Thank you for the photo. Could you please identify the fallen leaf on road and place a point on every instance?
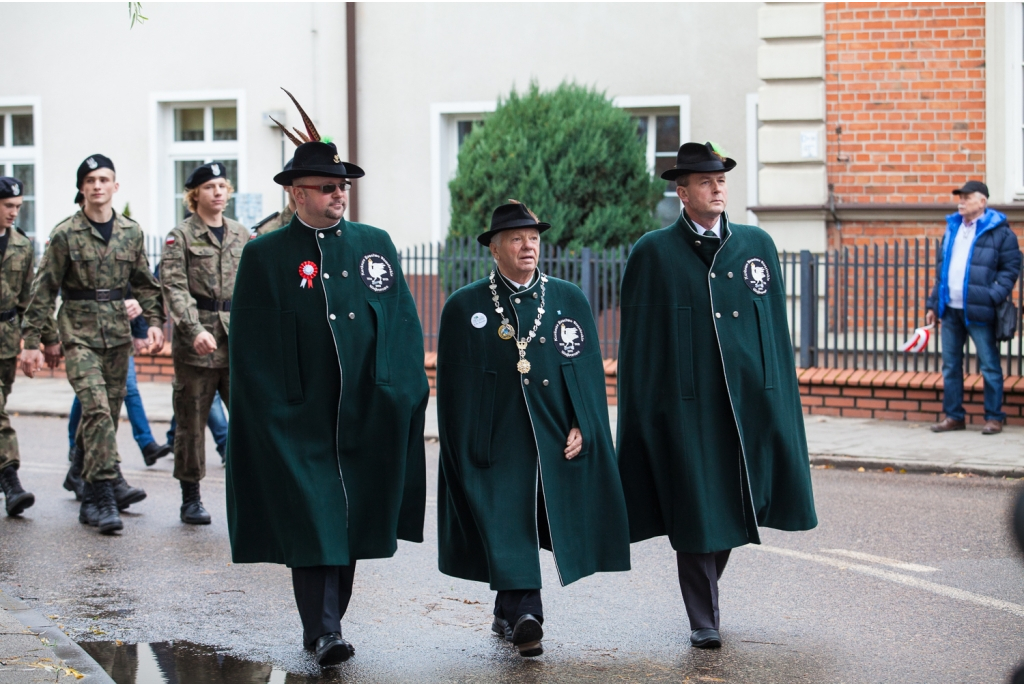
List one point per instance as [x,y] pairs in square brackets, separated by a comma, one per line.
[860,470]
[888,469]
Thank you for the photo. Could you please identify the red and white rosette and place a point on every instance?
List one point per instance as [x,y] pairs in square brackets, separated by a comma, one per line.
[308,272]
[919,341]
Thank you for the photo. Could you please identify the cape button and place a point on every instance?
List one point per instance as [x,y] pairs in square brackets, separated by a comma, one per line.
[729,274]
[517,300]
[545,383]
[712,274]
[542,341]
[735,315]
[320,235]
[351,315]
[338,232]
[697,243]
[327,275]
[718,315]
[344,274]
[526,381]
[332,317]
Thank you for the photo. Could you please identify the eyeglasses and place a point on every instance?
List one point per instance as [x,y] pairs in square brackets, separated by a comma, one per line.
[329,188]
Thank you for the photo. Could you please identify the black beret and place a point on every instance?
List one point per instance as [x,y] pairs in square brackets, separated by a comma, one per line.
[11,187]
[79,198]
[92,163]
[206,172]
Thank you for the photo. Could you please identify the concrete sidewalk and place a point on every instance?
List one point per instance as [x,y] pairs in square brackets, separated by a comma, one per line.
[837,441]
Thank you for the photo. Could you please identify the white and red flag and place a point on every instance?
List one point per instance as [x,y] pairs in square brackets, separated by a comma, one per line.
[919,341]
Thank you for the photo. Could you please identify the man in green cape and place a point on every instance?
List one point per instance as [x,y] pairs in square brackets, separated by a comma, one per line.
[710,429]
[527,460]
[328,393]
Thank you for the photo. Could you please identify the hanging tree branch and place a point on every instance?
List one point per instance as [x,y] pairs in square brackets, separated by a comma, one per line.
[135,14]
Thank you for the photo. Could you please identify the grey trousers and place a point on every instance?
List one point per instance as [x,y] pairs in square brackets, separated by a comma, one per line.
[698,580]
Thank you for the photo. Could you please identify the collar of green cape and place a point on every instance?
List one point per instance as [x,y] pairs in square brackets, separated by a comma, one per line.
[534,280]
[699,230]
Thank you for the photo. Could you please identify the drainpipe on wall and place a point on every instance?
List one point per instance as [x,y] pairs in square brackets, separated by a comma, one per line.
[353,128]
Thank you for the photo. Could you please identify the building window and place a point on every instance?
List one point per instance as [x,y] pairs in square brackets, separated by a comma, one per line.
[18,159]
[660,133]
[202,133]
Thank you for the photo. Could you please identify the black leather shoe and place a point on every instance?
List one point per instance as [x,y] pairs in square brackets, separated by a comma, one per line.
[527,634]
[153,451]
[706,638]
[16,500]
[502,628]
[124,494]
[192,510]
[107,517]
[331,649]
[73,481]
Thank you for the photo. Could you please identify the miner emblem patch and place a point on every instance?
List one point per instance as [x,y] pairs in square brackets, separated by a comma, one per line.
[568,337]
[92,163]
[756,275]
[376,272]
[215,168]
[15,190]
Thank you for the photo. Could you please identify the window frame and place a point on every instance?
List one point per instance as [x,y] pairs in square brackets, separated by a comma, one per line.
[25,154]
[1014,111]
[165,151]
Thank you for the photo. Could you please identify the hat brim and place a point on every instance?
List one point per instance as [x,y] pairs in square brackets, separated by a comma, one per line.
[699,168]
[345,170]
[485,238]
[964,191]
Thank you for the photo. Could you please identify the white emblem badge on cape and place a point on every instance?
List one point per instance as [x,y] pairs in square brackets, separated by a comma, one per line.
[756,275]
[376,272]
[479,320]
[215,168]
[568,338]
[15,189]
[91,163]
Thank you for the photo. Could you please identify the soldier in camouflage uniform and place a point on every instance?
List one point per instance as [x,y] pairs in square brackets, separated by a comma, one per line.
[90,260]
[197,273]
[278,219]
[16,262]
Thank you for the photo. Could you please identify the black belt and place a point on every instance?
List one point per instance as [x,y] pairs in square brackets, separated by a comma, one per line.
[103,295]
[211,305]
[8,315]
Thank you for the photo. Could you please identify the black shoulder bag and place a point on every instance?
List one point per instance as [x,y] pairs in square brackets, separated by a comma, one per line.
[1006,319]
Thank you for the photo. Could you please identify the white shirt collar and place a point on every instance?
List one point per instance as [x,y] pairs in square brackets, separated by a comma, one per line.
[716,229]
[517,285]
[314,227]
[969,225]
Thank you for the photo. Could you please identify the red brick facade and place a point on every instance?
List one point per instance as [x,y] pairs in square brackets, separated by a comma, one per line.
[906,84]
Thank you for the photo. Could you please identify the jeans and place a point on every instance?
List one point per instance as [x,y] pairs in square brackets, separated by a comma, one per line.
[132,402]
[954,337]
[217,423]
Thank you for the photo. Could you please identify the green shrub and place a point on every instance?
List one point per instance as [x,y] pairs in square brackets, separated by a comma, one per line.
[571,156]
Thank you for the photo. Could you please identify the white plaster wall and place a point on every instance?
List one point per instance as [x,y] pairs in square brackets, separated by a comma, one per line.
[412,55]
[95,78]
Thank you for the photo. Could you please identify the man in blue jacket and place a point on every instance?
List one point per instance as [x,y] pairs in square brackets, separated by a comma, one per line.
[977,267]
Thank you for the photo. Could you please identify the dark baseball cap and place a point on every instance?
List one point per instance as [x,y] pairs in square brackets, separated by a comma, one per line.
[972,187]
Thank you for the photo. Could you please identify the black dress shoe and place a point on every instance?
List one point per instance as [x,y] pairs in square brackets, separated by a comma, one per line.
[527,634]
[153,451]
[331,649]
[502,628]
[706,638]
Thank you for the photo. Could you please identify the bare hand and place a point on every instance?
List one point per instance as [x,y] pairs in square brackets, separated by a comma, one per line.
[140,345]
[929,318]
[53,355]
[31,361]
[204,343]
[134,308]
[574,445]
[155,339]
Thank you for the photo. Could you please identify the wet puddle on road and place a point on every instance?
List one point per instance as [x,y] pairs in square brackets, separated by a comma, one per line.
[177,662]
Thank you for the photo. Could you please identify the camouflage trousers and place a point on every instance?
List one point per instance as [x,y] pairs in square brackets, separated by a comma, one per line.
[8,438]
[194,388]
[98,376]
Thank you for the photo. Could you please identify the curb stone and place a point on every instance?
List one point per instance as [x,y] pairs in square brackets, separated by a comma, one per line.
[65,648]
[844,462]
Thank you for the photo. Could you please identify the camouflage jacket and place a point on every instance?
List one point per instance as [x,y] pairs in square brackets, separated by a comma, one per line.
[274,221]
[195,265]
[76,258]
[15,288]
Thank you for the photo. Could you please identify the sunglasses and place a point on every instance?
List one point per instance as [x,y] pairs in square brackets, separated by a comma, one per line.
[329,188]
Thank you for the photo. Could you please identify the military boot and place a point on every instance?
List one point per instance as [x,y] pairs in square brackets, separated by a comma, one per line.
[16,499]
[107,517]
[87,512]
[73,481]
[192,510]
[125,494]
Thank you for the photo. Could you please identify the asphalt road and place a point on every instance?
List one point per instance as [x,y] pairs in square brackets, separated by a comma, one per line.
[804,607]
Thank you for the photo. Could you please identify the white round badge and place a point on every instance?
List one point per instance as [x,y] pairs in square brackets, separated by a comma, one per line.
[479,320]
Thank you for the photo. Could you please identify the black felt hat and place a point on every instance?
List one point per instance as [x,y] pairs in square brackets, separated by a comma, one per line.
[92,163]
[697,158]
[11,187]
[317,159]
[513,215]
[204,173]
[972,187]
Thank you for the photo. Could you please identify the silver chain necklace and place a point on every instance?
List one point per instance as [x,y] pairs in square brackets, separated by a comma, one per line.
[507,332]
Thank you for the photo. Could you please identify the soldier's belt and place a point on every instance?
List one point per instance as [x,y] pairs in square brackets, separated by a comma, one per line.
[100,295]
[8,315]
[210,305]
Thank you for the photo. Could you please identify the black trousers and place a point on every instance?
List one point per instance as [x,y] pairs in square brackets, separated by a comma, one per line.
[512,604]
[698,580]
[322,594]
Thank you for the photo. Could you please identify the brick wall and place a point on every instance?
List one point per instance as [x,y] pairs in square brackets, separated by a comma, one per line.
[148,368]
[906,82]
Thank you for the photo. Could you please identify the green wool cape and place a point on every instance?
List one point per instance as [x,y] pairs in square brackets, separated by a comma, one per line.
[328,393]
[711,437]
[503,436]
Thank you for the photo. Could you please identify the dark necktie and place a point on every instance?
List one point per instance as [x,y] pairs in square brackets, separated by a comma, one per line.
[710,234]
